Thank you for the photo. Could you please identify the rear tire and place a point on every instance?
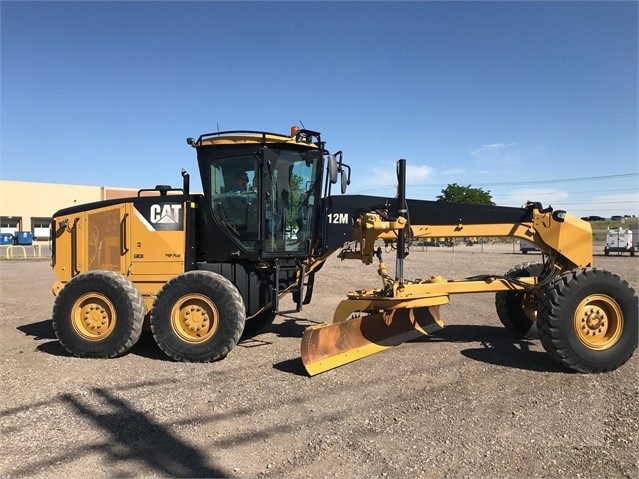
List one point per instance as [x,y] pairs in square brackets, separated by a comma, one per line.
[198,317]
[98,314]
[517,310]
[588,320]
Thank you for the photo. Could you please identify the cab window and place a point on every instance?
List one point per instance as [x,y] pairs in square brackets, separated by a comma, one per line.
[234,199]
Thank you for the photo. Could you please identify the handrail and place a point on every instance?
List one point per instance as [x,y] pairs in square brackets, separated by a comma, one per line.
[74,247]
[123,235]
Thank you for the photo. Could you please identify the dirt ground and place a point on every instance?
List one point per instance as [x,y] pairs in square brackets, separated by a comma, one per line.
[466,402]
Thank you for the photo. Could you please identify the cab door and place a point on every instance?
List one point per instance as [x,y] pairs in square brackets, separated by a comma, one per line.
[291,186]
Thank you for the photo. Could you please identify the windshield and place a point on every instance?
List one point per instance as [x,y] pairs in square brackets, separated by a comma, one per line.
[268,197]
[291,189]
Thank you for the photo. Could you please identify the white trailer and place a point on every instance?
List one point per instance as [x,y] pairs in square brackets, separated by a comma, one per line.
[619,240]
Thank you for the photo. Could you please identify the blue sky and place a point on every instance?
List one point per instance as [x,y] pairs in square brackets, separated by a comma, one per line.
[529,100]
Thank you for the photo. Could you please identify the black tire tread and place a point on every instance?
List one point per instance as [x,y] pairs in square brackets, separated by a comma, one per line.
[231,297]
[127,292]
[503,298]
[551,323]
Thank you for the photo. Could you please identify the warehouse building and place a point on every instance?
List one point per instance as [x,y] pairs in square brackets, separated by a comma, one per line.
[28,207]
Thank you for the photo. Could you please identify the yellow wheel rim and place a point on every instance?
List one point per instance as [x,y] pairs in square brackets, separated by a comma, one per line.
[598,322]
[93,316]
[194,318]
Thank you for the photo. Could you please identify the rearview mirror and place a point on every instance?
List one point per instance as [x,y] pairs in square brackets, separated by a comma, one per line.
[344,181]
[332,169]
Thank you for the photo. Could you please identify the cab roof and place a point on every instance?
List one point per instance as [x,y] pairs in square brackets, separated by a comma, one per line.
[233,137]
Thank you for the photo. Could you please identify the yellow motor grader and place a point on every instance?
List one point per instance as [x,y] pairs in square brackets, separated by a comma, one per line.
[204,270]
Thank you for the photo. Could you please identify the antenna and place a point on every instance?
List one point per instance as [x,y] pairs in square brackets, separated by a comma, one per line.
[218,126]
[303,127]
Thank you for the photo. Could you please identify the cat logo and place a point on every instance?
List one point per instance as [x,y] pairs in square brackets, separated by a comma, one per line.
[161,216]
[166,214]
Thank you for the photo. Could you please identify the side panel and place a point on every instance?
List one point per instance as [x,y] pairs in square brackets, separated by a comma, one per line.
[89,240]
[572,238]
[155,237]
[102,230]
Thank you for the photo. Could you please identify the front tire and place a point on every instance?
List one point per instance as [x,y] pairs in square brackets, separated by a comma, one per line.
[98,314]
[588,320]
[198,316]
[517,310]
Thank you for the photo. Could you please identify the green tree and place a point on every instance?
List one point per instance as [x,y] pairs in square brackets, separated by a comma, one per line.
[455,193]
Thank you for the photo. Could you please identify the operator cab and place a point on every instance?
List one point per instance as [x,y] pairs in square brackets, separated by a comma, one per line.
[263,189]
[268,196]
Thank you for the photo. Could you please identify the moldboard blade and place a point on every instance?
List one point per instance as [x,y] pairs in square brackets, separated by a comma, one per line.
[328,346]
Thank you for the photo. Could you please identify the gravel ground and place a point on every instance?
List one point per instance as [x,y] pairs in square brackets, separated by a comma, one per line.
[466,402]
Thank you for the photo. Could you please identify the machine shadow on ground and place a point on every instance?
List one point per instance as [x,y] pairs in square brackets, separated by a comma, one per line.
[128,435]
[498,347]
[43,330]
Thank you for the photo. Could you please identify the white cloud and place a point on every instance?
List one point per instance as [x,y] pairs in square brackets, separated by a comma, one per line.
[418,174]
[492,147]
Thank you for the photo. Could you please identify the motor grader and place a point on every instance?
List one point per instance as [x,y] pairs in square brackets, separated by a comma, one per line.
[204,270]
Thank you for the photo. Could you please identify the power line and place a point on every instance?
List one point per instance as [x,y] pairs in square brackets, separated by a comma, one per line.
[565,180]
[589,193]
[515,183]
[623,204]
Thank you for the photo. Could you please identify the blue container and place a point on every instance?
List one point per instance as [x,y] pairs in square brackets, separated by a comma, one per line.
[24,238]
[6,238]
